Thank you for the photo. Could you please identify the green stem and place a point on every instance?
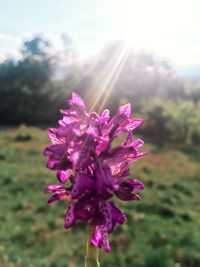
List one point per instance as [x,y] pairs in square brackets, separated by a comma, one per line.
[91,259]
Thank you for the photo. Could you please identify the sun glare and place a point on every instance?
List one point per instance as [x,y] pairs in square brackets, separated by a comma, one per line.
[104,83]
[151,24]
[154,25]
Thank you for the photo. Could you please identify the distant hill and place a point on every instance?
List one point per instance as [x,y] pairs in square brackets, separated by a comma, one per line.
[190,72]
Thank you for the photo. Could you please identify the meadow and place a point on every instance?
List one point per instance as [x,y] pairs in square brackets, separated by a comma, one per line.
[162,230]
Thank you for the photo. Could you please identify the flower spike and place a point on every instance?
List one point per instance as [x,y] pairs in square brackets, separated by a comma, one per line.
[83,157]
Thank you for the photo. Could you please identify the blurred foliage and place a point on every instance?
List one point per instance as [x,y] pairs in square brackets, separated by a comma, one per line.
[162,230]
[173,121]
[26,88]
[34,88]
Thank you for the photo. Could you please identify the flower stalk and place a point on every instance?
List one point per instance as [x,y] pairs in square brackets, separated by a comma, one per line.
[92,252]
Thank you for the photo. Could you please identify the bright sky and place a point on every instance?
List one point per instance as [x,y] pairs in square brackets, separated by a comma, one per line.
[169,28]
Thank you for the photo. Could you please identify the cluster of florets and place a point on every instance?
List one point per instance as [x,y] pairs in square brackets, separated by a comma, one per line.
[92,170]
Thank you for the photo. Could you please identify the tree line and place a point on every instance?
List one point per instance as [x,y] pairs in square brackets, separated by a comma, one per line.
[32,92]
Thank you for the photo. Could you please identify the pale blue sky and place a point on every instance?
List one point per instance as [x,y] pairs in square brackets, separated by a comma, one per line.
[169,28]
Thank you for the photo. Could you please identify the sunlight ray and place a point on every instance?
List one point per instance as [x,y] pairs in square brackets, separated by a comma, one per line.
[102,86]
[115,74]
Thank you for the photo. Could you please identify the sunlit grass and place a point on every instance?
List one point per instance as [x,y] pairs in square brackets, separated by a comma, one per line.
[162,229]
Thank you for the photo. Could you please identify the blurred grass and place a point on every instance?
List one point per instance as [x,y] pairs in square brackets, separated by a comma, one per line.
[163,229]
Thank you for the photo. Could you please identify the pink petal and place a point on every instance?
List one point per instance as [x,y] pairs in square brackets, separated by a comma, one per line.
[63,176]
[125,110]
[53,136]
[133,123]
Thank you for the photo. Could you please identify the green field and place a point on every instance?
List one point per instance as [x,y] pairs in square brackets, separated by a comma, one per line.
[163,229]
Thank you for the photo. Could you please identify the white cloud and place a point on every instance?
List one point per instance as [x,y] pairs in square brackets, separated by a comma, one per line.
[8,39]
[9,45]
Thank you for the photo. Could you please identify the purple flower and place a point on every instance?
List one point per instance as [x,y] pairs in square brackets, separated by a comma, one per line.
[82,154]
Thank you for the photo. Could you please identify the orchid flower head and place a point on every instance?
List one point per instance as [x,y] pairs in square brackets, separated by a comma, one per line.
[82,155]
